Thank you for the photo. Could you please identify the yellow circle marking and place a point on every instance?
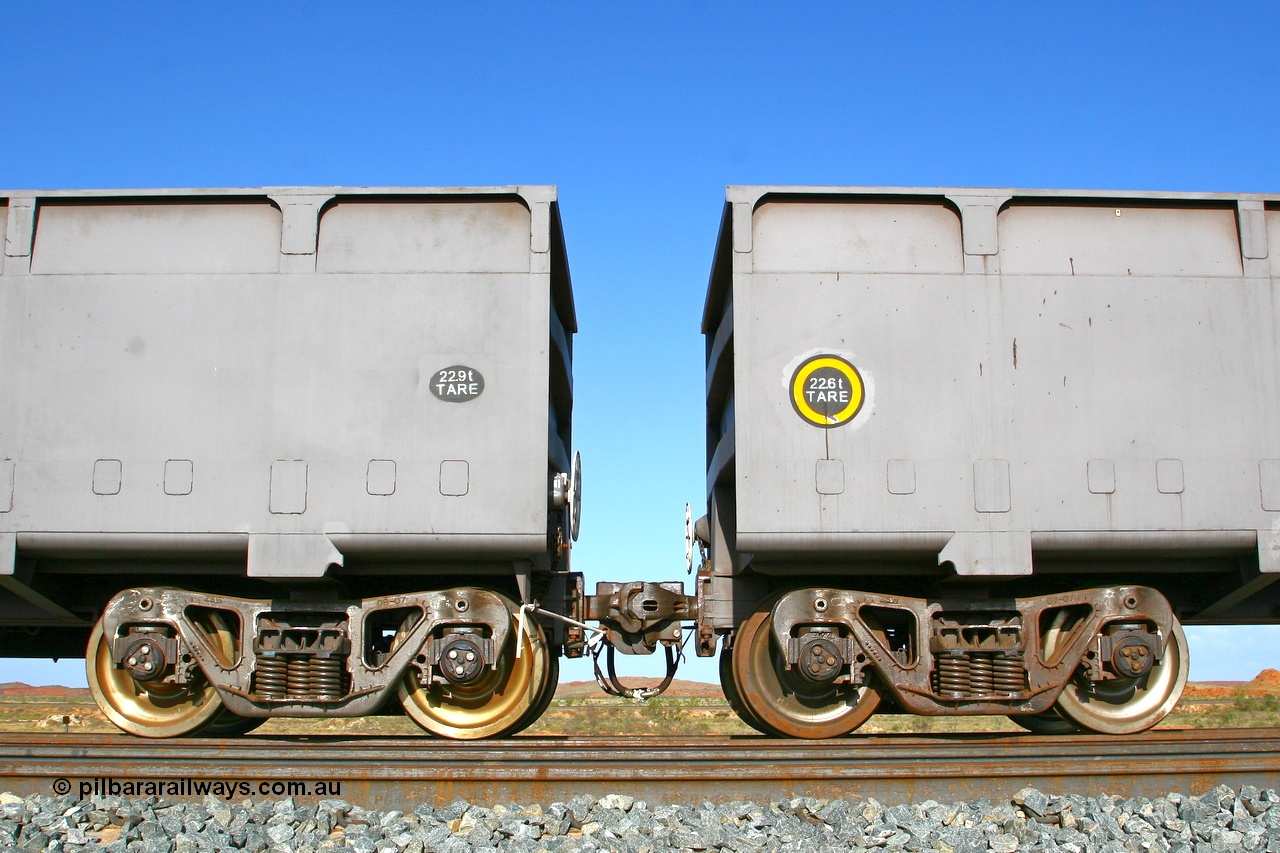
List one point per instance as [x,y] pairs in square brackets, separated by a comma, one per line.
[845,369]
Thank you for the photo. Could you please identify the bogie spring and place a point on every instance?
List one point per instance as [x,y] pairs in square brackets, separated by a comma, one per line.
[302,678]
[977,674]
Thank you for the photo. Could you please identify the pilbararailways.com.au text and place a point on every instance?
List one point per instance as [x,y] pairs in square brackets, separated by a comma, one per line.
[189,787]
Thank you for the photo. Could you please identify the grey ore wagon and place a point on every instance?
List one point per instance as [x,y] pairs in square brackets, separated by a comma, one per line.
[289,451]
[976,451]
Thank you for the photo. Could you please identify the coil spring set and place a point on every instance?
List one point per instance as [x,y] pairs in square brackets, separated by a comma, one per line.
[300,663]
[299,677]
[978,656]
[975,674]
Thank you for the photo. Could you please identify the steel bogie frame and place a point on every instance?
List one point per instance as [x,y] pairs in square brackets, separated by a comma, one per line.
[986,632]
[371,673]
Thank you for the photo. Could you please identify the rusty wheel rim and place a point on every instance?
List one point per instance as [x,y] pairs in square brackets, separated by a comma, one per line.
[784,702]
[158,710]
[1129,705]
[495,704]
[734,698]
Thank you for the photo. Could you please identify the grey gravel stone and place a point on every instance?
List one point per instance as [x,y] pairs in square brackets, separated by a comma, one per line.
[1034,802]
[1003,844]
[280,833]
[1032,821]
[616,801]
[255,840]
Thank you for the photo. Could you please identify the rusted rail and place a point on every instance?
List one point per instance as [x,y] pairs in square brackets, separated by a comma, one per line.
[404,772]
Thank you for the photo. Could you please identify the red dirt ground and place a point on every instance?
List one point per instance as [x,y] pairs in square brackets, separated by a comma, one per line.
[1267,681]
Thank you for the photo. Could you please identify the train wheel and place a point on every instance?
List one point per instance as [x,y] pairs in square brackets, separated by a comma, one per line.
[734,698]
[539,708]
[151,709]
[1045,723]
[1124,706]
[786,702]
[494,703]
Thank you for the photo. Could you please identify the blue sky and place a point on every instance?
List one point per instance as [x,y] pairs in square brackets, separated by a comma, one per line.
[641,114]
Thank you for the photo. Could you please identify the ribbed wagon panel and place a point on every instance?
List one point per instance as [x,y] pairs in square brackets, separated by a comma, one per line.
[1054,382]
[383,373]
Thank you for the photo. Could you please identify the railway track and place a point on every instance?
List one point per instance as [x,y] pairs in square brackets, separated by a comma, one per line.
[403,772]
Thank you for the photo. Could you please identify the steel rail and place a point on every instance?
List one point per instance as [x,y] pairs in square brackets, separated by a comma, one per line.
[403,772]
